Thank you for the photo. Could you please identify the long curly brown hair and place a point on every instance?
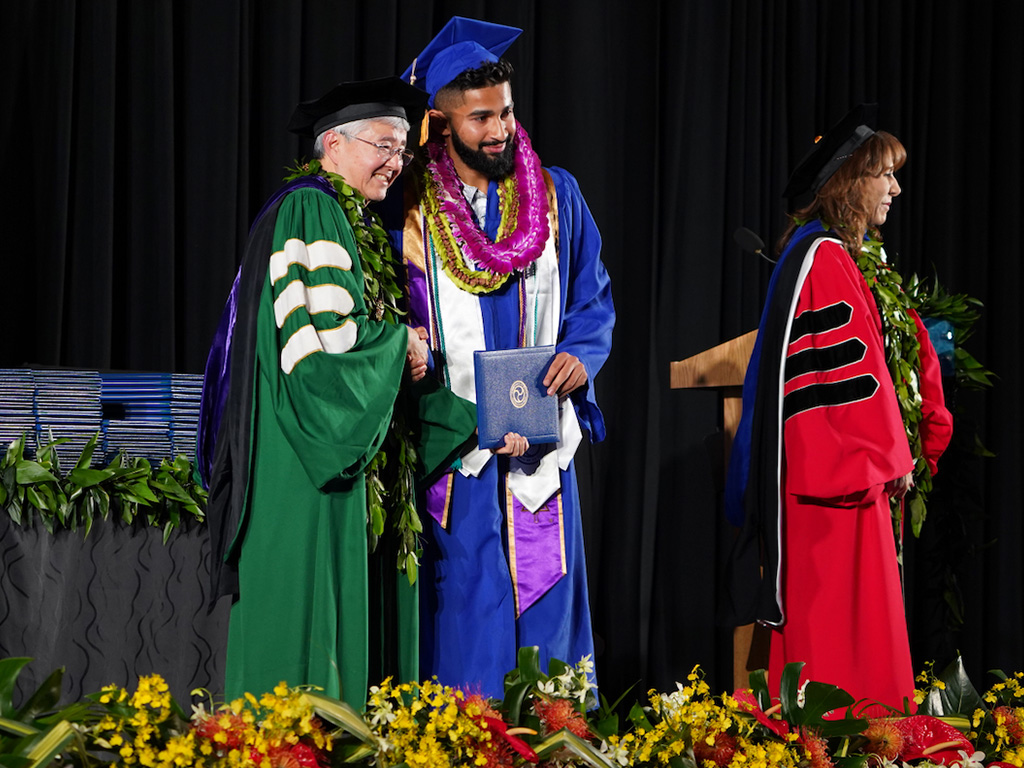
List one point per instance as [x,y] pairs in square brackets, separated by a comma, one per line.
[840,203]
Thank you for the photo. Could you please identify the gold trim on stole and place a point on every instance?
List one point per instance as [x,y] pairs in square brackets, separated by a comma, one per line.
[449,485]
[511,528]
[412,232]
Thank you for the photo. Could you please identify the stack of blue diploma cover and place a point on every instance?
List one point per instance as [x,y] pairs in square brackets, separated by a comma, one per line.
[148,415]
[511,396]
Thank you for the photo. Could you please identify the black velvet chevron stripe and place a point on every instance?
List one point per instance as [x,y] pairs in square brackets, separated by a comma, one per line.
[825,358]
[837,393]
[820,320]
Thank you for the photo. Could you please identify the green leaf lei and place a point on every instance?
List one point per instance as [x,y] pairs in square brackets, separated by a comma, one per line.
[390,485]
[899,330]
[380,276]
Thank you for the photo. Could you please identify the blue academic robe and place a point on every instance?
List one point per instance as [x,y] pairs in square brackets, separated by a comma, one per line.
[470,634]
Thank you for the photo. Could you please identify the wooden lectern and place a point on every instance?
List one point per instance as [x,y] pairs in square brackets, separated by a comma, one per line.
[722,368]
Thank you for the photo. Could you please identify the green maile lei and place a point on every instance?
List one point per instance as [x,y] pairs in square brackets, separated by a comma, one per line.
[390,488]
[899,333]
[902,355]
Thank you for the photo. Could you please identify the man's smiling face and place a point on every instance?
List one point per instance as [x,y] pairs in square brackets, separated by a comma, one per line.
[481,132]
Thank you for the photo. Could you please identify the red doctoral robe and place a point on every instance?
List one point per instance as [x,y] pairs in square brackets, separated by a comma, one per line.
[843,441]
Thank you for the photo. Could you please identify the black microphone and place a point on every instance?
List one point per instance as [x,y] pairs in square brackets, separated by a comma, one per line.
[749,241]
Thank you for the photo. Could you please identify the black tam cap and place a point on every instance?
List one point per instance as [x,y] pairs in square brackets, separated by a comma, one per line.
[361,100]
[831,151]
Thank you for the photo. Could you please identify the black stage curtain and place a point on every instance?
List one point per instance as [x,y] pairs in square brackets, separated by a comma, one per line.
[139,139]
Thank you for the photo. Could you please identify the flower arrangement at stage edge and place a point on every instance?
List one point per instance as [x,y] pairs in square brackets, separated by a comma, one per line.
[427,724]
[690,727]
[543,721]
[147,728]
[1000,728]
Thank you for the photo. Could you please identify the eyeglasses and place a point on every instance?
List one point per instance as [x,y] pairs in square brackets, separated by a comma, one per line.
[386,153]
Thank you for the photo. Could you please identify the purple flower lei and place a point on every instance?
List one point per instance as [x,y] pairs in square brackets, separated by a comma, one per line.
[526,242]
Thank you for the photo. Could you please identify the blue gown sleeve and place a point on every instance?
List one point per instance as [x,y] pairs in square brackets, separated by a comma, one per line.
[588,315]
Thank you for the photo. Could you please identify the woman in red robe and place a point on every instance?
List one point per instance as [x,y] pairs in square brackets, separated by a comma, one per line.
[829,448]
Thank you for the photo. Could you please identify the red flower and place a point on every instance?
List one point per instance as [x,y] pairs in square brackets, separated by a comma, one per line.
[1014,727]
[479,705]
[306,755]
[721,753]
[929,737]
[560,713]
[817,748]
[501,747]
[510,741]
[748,703]
[883,739]
[210,726]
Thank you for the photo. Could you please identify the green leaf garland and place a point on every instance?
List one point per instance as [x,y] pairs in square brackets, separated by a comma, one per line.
[127,487]
[390,488]
[899,330]
[902,356]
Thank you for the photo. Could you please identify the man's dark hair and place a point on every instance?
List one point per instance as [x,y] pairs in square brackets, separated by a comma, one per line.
[487,74]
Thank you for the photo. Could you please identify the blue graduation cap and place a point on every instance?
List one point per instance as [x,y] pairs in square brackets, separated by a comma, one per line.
[460,45]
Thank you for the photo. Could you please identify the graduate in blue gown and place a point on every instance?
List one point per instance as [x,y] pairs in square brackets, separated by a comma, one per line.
[501,253]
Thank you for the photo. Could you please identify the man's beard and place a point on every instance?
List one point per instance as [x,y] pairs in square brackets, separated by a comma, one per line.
[494,167]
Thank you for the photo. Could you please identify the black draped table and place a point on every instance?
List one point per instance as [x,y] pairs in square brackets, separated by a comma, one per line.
[110,607]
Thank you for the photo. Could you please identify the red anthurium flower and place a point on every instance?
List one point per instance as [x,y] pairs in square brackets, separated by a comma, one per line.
[748,703]
[305,755]
[929,737]
[498,726]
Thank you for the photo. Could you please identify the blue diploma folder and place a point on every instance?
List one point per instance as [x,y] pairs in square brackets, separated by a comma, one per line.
[511,396]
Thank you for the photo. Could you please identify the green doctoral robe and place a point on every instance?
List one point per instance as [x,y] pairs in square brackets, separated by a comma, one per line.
[325,380]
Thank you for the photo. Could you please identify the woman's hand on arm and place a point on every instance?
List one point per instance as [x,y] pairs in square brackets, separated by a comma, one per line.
[899,487]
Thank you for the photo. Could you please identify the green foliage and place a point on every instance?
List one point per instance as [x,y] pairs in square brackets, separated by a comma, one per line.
[521,680]
[902,355]
[390,493]
[570,747]
[895,299]
[34,734]
[818,700]
[127,488]
[962,312]
[954,695]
